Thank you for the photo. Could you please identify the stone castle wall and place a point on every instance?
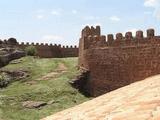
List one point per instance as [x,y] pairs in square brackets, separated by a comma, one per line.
[50,51]
[53,51]
[114,63]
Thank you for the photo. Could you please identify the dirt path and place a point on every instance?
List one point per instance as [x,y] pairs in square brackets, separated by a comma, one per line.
[58,71]
[61,68]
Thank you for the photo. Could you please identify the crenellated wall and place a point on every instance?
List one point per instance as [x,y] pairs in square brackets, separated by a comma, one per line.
[118,61]
[54,51]
[49,50]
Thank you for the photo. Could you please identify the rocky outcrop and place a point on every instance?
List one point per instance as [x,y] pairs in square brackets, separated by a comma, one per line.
[9,51]
[138,101]
[8,76]
[36,104]
[80,81]
[9,54]
[33,104]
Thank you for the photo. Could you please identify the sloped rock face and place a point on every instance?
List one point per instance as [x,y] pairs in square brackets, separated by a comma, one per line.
[9,51]
[138,101]
[9,54]
[8,76]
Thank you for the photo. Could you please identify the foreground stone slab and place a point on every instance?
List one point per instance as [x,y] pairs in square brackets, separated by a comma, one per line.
[138,101]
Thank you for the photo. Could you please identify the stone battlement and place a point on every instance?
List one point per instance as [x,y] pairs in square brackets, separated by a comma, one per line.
[44,45]
[119,61]
[93,38]
[45,50]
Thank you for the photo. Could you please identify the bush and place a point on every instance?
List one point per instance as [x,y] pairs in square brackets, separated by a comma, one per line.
[4,80]
[31,51]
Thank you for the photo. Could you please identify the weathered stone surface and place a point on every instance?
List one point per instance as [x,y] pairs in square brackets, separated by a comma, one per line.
[8,76]
[9,56]
[80,81]
[16,74]
[138,101]
[33,104]
[118,62]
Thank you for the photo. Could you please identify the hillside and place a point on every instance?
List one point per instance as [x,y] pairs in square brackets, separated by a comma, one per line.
[138,101]
[46,82]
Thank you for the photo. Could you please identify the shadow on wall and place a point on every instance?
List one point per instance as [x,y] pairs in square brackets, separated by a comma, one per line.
[80,81]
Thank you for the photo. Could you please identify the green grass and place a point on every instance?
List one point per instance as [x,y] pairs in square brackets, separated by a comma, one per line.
[57,89]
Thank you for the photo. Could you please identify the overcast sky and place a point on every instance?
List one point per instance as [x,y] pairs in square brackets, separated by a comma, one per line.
[61,21]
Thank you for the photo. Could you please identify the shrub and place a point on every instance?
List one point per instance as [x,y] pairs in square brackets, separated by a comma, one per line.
[4,80]
[31,51]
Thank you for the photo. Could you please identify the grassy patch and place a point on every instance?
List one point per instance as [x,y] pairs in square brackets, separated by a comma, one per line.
[56,88]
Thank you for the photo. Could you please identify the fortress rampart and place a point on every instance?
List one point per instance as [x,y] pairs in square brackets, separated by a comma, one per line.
[49,50]
[118,61]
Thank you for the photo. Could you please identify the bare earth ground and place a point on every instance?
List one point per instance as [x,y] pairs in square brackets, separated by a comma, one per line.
[138,101]
[59,70]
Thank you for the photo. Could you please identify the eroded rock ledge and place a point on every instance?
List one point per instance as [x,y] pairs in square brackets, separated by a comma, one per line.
[9,54]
